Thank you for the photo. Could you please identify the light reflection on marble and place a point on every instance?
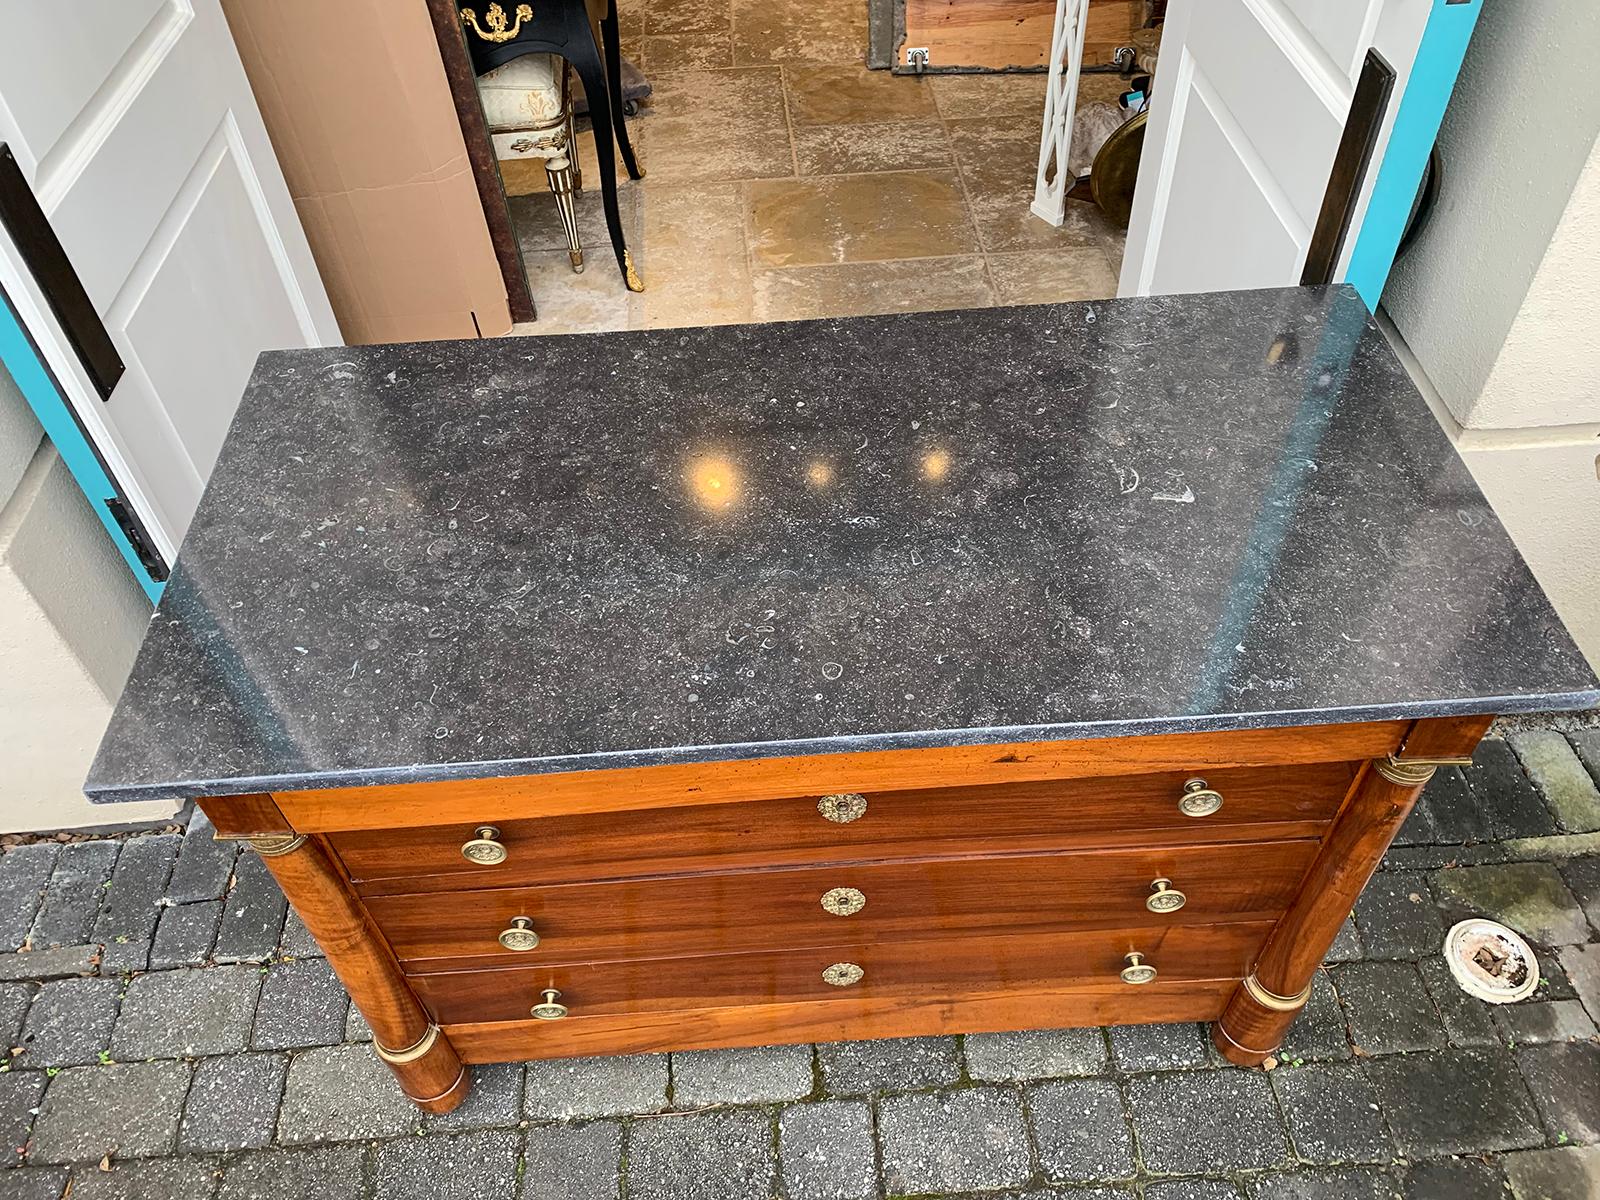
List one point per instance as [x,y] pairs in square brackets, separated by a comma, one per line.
[449,560]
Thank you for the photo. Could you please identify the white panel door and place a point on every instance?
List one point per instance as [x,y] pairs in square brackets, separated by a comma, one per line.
[1249,104]
[134,123]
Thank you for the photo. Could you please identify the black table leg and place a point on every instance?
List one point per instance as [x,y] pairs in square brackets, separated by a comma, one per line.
[613,48]
[586,62]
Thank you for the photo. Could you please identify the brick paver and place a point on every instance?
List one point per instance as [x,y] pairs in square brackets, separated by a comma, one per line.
[563,1088]
[302,1004]
[233,1102]
[24,874]
[131,905]
[827,1151]
[892,1063]
[1080,1130]
[178,1026]
[573,1162]
[970,1140]
[1035,1054]
[72,898]
[1201,1122]
[747,1075]
[718,1155]
[69,1023]
[1333,1114]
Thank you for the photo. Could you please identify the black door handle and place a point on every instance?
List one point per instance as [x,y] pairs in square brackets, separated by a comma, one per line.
[1367,109]
[52,270]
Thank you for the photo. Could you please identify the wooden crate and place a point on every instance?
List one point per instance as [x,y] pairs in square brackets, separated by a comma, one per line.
[996,34]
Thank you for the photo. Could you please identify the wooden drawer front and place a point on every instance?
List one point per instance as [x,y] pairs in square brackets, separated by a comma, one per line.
[936,970]
[776,910]
[839,1020]
[1130,810]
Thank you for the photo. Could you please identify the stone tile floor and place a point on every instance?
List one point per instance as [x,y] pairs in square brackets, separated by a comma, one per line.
[784,180]
[175,1034]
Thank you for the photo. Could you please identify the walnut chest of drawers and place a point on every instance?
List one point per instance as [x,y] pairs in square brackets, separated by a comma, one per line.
[878,894]
[891,676]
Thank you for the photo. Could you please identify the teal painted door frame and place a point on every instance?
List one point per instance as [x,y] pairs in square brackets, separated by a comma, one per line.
[39,388]
[1416,127]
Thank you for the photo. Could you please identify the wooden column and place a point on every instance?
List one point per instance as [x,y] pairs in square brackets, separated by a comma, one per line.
[1272,995]
[403,1035]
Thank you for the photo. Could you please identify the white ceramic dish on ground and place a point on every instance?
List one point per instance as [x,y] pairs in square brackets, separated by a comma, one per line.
[1490,961]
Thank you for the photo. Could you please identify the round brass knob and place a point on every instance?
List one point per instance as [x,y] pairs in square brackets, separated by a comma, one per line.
[486,849]
[547,1009]
[1198,800]
[1137,971]
[843,807]
[844,901]
[1164,898]
[519,935]
[843,974]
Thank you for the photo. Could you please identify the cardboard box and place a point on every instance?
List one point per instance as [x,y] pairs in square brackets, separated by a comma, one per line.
[355,98]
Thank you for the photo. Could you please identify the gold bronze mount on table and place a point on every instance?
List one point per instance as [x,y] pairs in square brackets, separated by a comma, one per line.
[495,18]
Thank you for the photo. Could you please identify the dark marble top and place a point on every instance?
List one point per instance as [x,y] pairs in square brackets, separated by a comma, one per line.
[462,559]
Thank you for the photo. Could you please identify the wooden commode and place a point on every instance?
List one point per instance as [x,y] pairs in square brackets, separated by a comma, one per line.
[736,697]
[1005,890]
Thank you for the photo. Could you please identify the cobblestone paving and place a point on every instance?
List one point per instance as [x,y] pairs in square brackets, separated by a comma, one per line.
[175,1034]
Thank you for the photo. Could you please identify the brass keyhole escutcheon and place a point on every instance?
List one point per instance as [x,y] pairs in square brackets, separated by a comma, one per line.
[843,974]
[1198,800]
[519,935]
[843,807]
[1137,971]
[485,848]
[1164,898]
[844,901]
[547,1009]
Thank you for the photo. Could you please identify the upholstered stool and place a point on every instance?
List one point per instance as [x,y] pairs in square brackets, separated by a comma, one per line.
[528,106]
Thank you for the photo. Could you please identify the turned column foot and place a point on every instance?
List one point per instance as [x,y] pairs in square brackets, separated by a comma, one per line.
[1253,1024]
[429,1071]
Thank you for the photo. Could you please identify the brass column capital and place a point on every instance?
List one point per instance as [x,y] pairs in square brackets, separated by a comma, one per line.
[275,844]
[1405,773]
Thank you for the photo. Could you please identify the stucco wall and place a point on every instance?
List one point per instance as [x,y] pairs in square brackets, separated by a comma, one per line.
[1520,130]
[1548,370]
[1499,299]
[71,616]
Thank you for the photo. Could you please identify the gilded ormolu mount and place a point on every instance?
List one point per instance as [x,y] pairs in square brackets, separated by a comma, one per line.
[495,18]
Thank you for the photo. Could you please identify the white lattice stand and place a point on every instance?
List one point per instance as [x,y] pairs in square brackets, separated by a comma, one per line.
[1053,181]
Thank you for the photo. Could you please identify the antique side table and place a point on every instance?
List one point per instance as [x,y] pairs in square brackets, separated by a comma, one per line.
[844,679]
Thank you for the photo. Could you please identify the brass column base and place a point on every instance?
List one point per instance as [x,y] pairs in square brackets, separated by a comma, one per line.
[428,1071]
[1251,1028]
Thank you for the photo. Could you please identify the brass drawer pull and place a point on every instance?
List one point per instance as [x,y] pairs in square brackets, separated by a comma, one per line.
[485,848]
[1137,971]
[520,935]
[843,974]
[547,1009]
[843,807]
[1198,800]
[1164,898]
[844,901]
